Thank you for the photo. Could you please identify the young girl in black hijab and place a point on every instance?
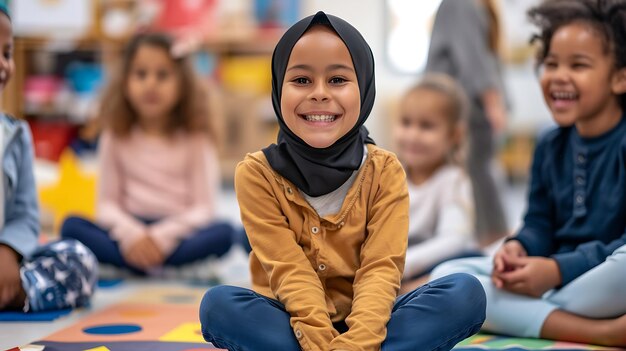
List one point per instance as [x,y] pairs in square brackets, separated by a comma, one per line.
[326,213]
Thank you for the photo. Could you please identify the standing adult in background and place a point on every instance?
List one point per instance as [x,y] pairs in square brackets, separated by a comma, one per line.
[465,45]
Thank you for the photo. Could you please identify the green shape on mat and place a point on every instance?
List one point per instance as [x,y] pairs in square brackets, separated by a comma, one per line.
[522,342]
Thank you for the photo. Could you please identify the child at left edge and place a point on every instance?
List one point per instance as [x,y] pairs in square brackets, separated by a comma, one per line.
[326,212]
[59,275]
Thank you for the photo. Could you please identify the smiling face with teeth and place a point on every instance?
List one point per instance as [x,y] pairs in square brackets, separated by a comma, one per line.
[579,82]
[6,43]
[320,100]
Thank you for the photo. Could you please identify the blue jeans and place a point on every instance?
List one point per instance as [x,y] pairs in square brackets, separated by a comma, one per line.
[435,316]
[214,240]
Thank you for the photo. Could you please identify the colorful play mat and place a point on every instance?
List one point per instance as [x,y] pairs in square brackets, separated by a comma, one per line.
[166,319]
[154,319]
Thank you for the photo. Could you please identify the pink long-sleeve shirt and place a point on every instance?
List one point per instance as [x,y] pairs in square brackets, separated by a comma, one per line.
[174,180]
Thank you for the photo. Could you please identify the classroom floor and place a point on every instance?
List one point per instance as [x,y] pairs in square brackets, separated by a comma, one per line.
[150,315]
[162,311]
[173,303]
[233,271]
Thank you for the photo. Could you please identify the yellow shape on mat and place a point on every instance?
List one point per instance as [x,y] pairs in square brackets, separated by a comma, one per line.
[99,348]
[73,194]
[186,332]
[478,339]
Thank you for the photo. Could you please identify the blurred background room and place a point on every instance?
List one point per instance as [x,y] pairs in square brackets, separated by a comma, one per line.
[66,53]
[65,49]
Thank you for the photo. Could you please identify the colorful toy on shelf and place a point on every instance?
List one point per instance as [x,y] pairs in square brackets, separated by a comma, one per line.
[41,91]
[276,13]
[50,138]
[84,77]
[182,17]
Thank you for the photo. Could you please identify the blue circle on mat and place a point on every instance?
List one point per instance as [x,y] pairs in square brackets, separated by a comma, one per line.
[113,329]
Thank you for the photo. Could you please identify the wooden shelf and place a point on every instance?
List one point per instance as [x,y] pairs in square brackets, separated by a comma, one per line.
[249,125]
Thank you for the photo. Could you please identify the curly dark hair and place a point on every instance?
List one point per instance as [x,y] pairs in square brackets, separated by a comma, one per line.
[607,17]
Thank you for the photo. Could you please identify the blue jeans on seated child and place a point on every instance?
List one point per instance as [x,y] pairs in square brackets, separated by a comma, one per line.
[59,275]
[435,316]
[599,293]
[214,240]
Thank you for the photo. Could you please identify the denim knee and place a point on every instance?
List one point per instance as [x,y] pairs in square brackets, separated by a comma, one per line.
[473,303]
[215,304]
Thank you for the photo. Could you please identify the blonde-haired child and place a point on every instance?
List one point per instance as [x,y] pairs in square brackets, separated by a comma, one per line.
[429,138]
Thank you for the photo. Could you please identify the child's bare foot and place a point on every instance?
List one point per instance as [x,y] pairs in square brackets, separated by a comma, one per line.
[565,326]
[616,332]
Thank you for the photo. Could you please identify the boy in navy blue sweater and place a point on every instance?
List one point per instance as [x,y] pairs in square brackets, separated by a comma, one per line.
[562,276]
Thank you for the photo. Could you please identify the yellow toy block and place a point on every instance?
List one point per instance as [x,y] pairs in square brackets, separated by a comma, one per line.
[73,194]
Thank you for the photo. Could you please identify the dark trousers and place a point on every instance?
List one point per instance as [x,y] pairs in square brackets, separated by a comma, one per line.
[214,240]
[490,215]
[435,316]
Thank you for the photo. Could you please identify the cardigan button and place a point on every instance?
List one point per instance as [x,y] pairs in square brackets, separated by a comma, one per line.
[289,190]
[322,267]
[298,334]
[315,230]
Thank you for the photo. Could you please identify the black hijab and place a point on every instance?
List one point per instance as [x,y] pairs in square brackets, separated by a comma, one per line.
[320,171]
